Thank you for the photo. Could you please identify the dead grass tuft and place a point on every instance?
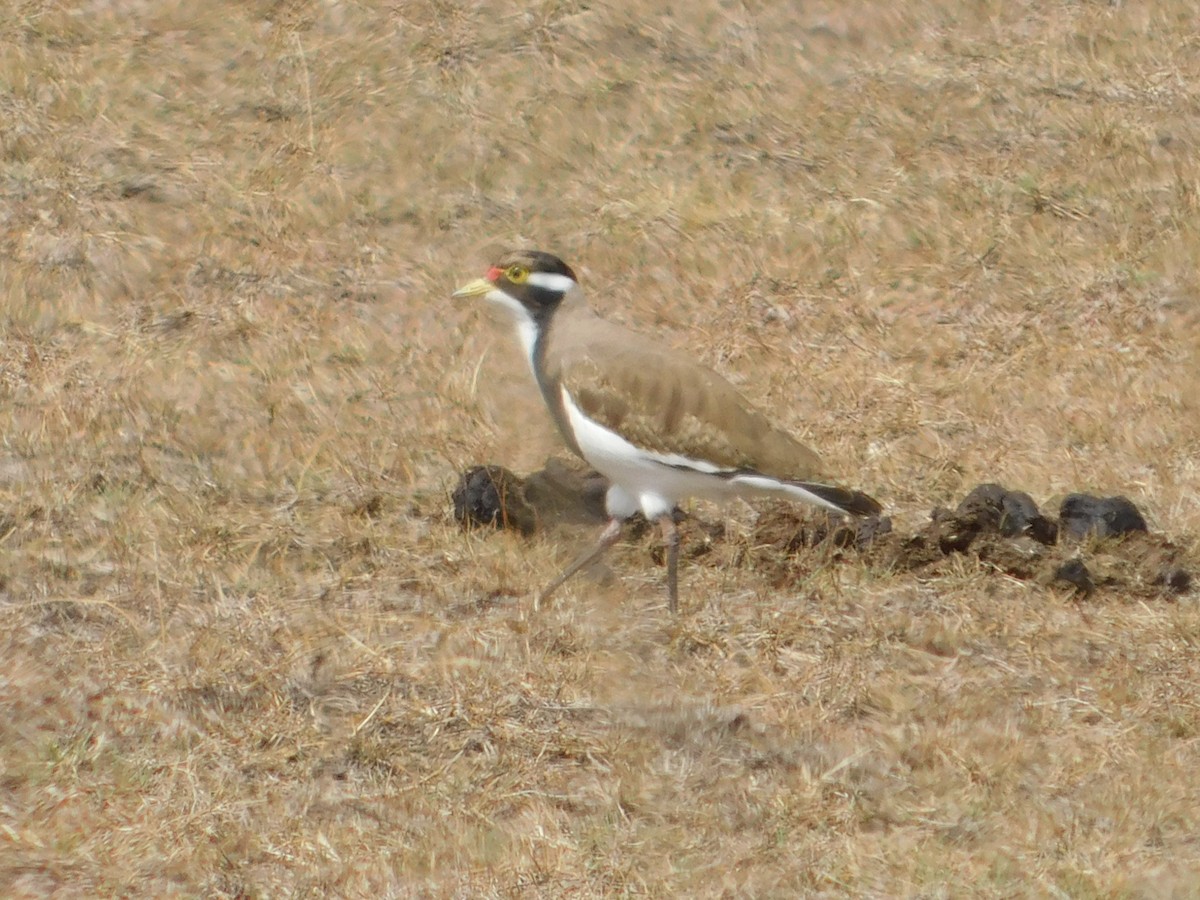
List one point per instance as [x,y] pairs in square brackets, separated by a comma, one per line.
[247,651]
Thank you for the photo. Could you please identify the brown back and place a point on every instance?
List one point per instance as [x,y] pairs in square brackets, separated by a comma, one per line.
[661,399]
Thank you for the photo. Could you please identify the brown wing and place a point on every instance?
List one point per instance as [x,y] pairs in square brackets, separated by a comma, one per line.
[664,401]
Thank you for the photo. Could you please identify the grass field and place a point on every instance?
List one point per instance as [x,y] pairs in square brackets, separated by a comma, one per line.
[247,651]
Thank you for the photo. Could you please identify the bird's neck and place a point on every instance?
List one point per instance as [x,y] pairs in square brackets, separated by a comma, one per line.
[572,313]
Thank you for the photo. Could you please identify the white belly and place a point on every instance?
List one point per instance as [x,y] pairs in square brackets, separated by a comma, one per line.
[649,481]
[656,482]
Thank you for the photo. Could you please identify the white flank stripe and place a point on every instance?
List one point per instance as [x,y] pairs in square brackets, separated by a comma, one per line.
[549,281]
[761,484]
[658,481]
[686,462]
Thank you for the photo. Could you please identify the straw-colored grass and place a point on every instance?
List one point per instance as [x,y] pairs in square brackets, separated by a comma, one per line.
[246,651]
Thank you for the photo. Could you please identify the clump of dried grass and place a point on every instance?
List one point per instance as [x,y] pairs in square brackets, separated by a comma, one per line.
[247,652]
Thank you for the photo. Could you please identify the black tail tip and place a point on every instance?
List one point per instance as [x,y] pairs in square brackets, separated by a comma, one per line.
[854,503]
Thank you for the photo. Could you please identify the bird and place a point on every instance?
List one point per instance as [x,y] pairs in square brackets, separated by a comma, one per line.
[659,425]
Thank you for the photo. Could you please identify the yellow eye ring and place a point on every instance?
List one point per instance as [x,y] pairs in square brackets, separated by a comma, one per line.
[516,274]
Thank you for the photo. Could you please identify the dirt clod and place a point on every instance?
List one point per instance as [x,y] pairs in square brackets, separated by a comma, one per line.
[493,496]
[1004,530]
[1010,513]
[1175,580]
[559,493]
[789,528]
[1076,574]
[1082,515]
[562,492]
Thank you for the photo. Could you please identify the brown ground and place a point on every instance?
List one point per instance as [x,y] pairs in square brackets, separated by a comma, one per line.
[247,651]
[1094,544]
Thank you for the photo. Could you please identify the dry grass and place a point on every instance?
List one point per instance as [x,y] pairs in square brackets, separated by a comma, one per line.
[246,652]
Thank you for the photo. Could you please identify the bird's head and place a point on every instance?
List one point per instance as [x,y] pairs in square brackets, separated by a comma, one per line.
[528,284]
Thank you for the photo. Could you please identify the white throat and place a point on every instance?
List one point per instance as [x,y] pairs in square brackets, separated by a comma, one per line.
[527,330]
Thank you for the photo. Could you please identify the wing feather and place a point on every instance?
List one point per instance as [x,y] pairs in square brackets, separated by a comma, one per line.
[666,402]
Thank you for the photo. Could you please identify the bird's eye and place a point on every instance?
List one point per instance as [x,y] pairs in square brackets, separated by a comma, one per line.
[516,274]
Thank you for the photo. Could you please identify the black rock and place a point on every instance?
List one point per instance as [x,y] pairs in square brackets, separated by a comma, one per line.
[493,496]
[1082,515]
[992,508]
[1022,516]
[983,506]
[952,532]
[1174,579]
[1076,574]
